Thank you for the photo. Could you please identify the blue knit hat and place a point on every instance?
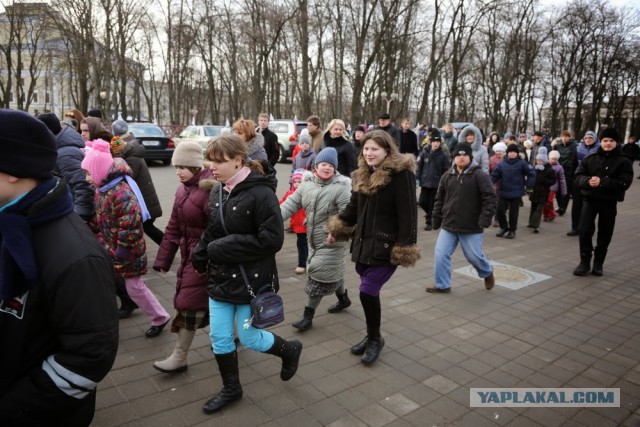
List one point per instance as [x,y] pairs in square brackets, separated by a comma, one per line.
[328,155]
[542,155]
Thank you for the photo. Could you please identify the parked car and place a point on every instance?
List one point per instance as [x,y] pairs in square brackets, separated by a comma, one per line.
[157,146]
[287,132]
[199,134]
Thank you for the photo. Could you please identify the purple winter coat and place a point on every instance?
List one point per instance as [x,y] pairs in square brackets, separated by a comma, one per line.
[188,220]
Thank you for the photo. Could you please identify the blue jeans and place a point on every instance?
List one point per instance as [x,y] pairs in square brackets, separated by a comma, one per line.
[471,248]
[222,315]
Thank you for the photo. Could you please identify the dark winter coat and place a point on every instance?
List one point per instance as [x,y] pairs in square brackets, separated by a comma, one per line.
[431,165]
[544,180]
[187,223]
[394,132]
[465,202]
[631,151]
[133,154]
[65,327]
[409,142]
[513,175]
[118,224]
[568,156]
[615,172]
[346,153]
[271,146]
[383,210]
[70,156]
[256,233]
[450,139]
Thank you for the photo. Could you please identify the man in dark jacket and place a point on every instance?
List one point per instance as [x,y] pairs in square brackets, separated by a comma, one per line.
[271,145]
[465,204]
[408,139]
[384,123]
[70,155]
[569,161]
[602,178]
[58,321]
[431,165]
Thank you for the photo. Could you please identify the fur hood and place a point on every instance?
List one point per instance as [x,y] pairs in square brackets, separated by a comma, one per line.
[477,143]
[367,182]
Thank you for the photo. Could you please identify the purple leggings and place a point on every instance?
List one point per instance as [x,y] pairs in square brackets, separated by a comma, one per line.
[373,277]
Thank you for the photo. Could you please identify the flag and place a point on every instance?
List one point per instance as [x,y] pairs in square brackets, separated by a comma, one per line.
[271,117]
[226,123]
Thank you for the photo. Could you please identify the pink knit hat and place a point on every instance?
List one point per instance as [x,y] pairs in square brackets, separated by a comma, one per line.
[297,174]
[98,160]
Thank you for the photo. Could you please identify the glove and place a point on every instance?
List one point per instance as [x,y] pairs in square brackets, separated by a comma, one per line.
[122,253]
[540,167]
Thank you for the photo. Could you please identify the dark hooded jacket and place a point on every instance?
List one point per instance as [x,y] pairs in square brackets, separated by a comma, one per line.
[255,233]
[465,202]
[70,156]
[432,164]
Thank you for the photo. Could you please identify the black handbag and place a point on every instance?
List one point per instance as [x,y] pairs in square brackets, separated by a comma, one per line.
[267,308]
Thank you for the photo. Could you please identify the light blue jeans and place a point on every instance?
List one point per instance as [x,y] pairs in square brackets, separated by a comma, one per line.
[471,248]
[222,315]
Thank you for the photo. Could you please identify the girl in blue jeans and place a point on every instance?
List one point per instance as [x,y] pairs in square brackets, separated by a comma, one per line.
[249,233]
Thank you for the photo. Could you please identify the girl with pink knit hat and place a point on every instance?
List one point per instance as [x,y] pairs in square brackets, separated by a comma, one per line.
[120,210]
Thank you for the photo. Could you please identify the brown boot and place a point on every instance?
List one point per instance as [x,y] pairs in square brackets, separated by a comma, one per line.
[489,282]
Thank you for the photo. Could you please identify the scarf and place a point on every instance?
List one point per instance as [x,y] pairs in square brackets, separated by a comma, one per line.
[136,190]
[46,202]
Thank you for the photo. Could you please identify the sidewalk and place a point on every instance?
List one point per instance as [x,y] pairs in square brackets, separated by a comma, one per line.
[564,331]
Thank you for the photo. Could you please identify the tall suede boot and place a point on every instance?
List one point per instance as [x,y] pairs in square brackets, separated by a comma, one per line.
[343,302]
[372,313]
[585,264]
[231,388]
[177,361]
[307,320]
[289,352]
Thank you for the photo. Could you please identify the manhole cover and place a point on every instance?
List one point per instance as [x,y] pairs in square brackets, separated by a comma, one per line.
[508,276]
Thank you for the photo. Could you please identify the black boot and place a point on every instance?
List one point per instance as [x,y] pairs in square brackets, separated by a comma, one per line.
[585,264]
[289,352]
[307,320]
[598,261]
[371,353]
[343,302]
[231,388]
[127,305]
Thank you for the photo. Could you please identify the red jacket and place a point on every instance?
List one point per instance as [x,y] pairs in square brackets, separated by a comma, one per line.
[298,218]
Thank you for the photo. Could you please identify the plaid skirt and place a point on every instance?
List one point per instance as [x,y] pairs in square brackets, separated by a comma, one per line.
[190,320]
[321,289]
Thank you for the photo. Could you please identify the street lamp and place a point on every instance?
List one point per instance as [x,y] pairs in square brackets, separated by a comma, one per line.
[390,98]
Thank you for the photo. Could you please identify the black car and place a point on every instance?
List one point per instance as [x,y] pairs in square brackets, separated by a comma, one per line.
[157,146]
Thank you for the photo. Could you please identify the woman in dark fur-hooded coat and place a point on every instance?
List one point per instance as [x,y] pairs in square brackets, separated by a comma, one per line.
[381,217]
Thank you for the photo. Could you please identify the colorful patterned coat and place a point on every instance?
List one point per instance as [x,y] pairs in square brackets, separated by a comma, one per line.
[118,224]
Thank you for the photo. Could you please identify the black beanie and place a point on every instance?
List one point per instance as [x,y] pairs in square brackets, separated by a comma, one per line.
[462,148]
[512,147]
[29,149]
[434,134]
[610,133]
[52,122]
[95,113]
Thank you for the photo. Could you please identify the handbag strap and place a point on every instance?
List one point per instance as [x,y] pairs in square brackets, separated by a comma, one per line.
[224,227]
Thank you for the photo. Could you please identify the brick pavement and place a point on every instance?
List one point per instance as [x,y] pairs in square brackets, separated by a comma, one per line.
[562,332]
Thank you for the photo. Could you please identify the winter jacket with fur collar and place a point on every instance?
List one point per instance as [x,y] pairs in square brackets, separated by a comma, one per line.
[382,214]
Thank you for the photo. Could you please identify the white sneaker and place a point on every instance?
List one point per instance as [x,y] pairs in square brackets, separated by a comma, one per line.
[299,270]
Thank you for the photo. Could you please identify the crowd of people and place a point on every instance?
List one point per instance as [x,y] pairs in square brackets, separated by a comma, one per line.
[228,225]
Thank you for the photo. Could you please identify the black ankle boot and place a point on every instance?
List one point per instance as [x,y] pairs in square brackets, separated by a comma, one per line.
[307,320]
[585,265]
[289,352]
[371,353]
[231,388]
[598,261]
[343,302]
[126,303]
[359,348]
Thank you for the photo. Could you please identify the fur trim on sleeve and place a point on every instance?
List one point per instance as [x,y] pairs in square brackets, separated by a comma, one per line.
[405,255]
[338,229]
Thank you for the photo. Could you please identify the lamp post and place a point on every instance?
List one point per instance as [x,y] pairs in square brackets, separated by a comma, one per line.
[389,98]
[517,130]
